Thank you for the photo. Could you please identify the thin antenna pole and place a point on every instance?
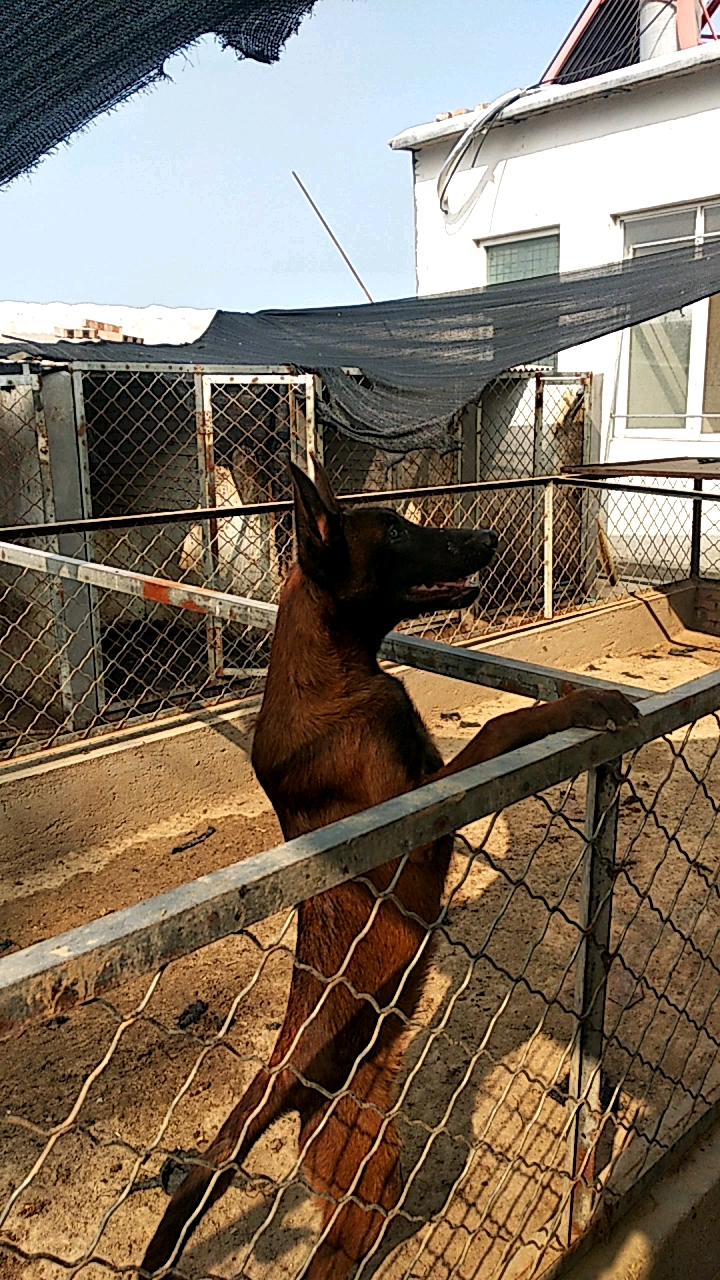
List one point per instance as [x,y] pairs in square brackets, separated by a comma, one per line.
[332,235]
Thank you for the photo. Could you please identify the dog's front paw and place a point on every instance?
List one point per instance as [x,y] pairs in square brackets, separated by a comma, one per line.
[601,709]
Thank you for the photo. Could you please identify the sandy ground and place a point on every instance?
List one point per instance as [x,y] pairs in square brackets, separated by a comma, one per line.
[484,1116]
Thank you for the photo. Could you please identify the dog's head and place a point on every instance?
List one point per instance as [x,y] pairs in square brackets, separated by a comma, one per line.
[376,563]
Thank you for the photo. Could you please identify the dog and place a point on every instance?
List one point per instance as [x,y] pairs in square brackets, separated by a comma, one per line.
[335,735]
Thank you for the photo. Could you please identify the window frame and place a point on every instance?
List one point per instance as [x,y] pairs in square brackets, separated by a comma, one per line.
[492,242]
[691,428]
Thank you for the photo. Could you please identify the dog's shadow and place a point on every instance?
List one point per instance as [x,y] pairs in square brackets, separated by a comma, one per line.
[469,1081]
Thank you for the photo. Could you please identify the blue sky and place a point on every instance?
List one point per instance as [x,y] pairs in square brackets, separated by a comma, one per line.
[183,196]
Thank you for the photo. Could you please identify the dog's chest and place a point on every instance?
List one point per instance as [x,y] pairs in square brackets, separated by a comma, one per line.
[322,762]
[398,724]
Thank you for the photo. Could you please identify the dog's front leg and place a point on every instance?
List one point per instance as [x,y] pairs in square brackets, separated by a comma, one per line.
[582,709]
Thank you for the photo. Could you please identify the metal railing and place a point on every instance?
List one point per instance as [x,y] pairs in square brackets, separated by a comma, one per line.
[91,646]
[563,1054]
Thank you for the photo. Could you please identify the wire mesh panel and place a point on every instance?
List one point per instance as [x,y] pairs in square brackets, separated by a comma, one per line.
[258,426]
[555,1029]
[153,648]
[710,534]
[22,491]
[354,467]
[163,441]
[141,442]
[147,440]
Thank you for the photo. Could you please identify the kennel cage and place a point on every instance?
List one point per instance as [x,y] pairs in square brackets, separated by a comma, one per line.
[100,440]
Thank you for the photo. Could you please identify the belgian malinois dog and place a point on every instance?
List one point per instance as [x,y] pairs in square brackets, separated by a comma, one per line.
[335,735]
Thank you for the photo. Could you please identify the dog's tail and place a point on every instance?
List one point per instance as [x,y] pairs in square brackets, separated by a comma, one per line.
[262,1103]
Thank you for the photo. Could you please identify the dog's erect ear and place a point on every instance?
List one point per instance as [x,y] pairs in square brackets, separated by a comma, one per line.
[322,484]
[318,520]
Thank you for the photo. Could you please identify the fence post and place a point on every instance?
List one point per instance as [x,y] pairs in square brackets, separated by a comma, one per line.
[206,471]
[548,550]
[313,392]
[536,515]
[601,819]
[64,429]
[696,531]
[57,603]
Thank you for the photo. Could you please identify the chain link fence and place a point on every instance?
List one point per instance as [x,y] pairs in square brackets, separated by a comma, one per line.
[565,1040]
[82,658]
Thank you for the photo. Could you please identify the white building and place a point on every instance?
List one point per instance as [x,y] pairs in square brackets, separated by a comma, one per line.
[580,171]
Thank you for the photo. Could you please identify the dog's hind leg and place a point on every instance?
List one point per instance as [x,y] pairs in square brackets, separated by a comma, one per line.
[263,1102]
[351,1133]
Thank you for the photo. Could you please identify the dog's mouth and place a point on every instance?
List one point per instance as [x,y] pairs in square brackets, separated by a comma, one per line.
[443,595]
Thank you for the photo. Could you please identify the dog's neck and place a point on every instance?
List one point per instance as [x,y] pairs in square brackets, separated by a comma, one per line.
[314,647]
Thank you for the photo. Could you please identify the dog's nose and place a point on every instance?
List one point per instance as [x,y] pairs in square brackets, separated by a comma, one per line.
[489,538]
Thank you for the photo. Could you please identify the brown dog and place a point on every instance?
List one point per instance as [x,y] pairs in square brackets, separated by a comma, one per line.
[336,735]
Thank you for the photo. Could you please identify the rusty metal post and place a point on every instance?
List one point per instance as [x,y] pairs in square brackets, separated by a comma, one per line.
[548,535]
[598,872]
[208,498]
[96,696]
[313,434]
[536,517]
[696,532]
[538,450]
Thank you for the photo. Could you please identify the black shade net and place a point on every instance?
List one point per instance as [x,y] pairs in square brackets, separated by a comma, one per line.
[63,62]
[425,359]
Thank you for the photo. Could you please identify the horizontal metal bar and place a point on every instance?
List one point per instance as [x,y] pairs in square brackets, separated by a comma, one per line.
[645,491]
[53,976]
[19,380]
[261,379]
[676,417]
[127,366]
[218,604]
[95,524]
[527,678]
[509,674]
[513,676]
[193,515]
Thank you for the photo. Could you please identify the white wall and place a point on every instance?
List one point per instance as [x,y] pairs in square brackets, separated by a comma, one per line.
[577,168]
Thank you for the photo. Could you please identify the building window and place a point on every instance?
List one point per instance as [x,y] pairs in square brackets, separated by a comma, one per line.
[523,259]
[673,362]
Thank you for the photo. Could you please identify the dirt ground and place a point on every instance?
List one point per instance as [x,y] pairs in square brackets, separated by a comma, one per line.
[484,1115]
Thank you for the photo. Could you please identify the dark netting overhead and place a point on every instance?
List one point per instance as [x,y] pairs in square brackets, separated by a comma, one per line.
[63,62]
[424,359]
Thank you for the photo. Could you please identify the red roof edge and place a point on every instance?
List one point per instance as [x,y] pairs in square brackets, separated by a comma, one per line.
[566,49]
[687,27]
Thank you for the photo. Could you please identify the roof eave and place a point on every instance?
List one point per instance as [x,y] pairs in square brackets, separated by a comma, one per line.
[550,97]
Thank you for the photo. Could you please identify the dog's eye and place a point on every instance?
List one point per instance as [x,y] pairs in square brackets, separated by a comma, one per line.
[393,532]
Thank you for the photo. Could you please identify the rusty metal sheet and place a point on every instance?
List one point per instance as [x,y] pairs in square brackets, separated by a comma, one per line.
[663,468]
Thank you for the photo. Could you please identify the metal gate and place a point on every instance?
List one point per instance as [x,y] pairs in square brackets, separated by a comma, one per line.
[531,422]
[248,428]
